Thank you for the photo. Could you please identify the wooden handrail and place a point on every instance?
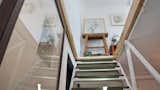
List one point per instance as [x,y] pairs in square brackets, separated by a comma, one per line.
[132,17]
[67,27]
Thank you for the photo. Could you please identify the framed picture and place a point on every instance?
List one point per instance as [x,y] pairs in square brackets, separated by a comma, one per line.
[94,25]
[117,20]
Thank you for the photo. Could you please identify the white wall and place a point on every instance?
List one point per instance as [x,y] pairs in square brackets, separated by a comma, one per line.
[92,11]
[66,51]
[73,13]
[106,12]
[34,13]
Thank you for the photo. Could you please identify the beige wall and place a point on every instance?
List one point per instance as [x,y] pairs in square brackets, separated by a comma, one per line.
[19,57]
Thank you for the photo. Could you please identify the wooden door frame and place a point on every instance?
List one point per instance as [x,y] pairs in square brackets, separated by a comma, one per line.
[9,12]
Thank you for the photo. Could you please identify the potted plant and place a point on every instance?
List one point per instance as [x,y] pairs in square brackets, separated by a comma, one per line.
[87,53]
[114,39]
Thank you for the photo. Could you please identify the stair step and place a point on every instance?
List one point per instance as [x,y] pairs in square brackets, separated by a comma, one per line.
[99,84]
[94,73]
[95,70]
[98,79]
[97,73]
[104,88]
[97,58]
[44,68]
[106,67]
[42,71]
[96,62]
[44,77]
[97,66]
[50,57]
[32,81]
[100,76]
[28,88]
[48,64]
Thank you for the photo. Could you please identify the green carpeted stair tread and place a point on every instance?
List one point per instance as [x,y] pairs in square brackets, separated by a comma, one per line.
[100,67]
[100,76]
[93,60]
[90,73]
[109,88]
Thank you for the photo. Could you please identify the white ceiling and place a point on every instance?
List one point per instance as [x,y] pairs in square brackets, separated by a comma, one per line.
[104,3]
[146,36]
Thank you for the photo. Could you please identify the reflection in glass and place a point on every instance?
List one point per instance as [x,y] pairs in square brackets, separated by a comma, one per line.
[35,47]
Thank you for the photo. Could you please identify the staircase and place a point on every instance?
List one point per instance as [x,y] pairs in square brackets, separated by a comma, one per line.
[44,72]
[99,74]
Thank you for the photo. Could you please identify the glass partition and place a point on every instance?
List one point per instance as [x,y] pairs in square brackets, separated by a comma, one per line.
[33,56]
[144,80]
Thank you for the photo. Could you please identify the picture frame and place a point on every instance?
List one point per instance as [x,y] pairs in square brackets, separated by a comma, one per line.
[117,20]
[94,25]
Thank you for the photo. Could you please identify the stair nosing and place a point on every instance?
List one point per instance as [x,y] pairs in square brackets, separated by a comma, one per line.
[117,68]
[97,62]
[44,68]
[44,77]
[82,68]
[98,79]
[124,87]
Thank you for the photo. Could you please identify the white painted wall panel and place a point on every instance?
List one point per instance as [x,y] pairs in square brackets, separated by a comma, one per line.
[73,14]
[66,51]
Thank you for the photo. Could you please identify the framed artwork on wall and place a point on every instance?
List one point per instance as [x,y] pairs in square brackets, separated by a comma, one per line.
[117,20]
[94,25]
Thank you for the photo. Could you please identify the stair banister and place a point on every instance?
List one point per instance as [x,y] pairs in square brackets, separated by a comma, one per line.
[141,58]
[131,68]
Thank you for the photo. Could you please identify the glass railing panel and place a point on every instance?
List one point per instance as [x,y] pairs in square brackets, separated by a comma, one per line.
[151,57]
[144,80]
[124,63]
[33,54]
